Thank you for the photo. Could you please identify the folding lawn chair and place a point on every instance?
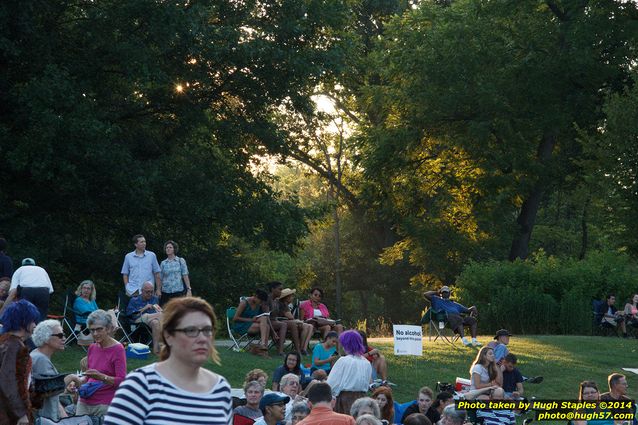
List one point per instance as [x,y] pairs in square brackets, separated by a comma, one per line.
[68,319]
[132,331]
[438,326]
[598,325]
[240,341]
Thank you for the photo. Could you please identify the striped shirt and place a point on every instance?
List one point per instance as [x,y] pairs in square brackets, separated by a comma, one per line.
[146,397]
[496,417]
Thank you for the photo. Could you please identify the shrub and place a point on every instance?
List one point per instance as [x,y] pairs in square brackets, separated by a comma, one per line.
[545,294]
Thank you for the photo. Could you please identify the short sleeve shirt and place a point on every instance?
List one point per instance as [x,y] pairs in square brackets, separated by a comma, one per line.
[171,274]
[510,379]
[139,269]
[320,353]
[276,307]
[484,374]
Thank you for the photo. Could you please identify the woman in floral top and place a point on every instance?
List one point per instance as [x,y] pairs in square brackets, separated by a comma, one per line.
[174,275]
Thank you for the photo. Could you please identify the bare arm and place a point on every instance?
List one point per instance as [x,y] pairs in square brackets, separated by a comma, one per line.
[187,282]
[158,284]
[10,298]
[240,309]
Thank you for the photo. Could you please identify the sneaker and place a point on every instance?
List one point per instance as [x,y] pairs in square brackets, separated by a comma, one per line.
[475,343]
[535,380]
[466,342]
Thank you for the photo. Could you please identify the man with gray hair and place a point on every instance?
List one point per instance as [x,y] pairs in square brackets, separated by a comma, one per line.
[290,385]
[253,391]
[145,309]
[452,416]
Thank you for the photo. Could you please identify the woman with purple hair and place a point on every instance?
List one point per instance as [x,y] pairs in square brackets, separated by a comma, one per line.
[351,375]
[18,321]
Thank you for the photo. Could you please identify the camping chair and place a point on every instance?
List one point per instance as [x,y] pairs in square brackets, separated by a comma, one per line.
[68,319]
[132,331]
[437,323]
[240,342]
[597,325]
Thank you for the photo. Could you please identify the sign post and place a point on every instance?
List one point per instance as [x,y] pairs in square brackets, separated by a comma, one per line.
[407,340]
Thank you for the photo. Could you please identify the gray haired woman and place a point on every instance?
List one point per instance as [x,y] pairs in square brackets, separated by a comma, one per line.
[48,337]
[368,419]
[106,366]
[298,413]
[365,406]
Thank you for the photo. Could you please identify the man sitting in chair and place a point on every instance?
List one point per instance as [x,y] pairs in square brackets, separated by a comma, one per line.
[145,309]
[441,301]
[611,317]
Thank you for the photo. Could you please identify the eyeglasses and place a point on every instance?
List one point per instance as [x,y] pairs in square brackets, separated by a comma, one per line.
[94,330]
[193,332]
[60,335]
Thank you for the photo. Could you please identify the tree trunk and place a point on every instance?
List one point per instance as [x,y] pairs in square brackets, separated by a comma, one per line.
[583,225]
[527,216]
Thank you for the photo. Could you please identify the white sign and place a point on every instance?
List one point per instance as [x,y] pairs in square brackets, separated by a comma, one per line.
[407,340]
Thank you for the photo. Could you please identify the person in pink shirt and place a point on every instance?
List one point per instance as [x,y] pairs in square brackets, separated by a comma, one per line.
[106,367]
[316,313]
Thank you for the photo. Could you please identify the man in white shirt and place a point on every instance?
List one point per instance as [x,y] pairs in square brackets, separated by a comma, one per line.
[32,283]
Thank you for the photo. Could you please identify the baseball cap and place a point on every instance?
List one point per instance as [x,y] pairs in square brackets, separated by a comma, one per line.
[28,262]
[502,332]
[445,289]
[272,398]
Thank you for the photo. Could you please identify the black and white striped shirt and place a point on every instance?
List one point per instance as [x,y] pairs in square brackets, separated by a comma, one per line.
[146,397]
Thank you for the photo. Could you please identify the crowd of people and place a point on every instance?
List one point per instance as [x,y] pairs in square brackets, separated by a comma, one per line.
[338,388]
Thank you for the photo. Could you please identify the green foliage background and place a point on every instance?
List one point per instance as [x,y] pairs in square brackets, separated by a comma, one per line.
[462,134]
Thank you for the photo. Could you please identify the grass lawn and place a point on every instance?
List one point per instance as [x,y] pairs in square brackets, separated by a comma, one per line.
[564,361]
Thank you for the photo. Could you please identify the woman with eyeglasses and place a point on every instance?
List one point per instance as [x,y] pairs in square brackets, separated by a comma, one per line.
[158,393]
[316,313]
[49,339]
[106,367]
[588,391]
[18,321]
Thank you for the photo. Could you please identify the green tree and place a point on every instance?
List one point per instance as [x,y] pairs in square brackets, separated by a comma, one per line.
[126,117]
[483,103]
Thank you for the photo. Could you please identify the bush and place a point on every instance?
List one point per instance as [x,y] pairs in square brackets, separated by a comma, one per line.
[545,295]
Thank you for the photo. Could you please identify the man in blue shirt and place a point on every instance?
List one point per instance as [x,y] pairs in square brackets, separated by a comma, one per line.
[145,309]
[140,266]
[441,301]
[499,345]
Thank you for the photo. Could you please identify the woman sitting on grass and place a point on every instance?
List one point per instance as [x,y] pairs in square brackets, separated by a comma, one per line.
[383,396]
[325,355]
[484,372]
[292,364]
[588,391]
